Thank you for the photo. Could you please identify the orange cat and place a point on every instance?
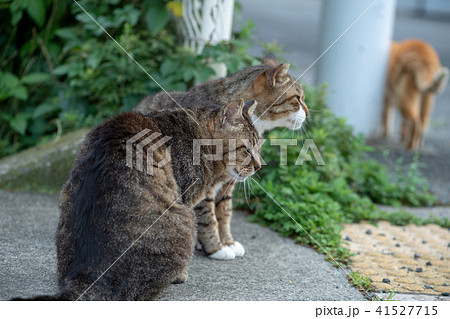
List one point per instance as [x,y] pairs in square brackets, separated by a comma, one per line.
[415,76]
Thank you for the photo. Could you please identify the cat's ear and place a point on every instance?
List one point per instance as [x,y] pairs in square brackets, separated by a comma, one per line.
[278,74]
[270,60]
[232,111]
[249,107]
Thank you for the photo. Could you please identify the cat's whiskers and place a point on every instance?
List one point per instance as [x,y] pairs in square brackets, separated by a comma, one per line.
[250,184]
[245,193]
[306,133]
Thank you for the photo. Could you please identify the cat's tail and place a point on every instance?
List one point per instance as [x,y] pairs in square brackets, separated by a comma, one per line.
[431,82]
[439,81]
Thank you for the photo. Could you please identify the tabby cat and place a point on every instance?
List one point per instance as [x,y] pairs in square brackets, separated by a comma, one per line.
[281,103]
[415,76]
[124,234]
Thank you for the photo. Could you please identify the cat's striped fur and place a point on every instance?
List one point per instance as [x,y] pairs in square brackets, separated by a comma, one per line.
[281,103]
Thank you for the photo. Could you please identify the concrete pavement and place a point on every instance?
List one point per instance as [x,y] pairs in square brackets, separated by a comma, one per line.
[273,268]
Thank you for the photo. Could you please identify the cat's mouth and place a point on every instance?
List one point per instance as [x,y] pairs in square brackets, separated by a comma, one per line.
[238,176]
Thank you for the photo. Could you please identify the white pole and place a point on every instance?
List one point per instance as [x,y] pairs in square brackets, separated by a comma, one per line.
[217,21]
[355,67]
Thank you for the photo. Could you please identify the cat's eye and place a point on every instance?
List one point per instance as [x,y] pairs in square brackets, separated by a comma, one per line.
[248,151]
[298,98]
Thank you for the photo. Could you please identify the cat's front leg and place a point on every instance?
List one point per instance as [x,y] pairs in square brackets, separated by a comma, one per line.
[208,233]
[224,211]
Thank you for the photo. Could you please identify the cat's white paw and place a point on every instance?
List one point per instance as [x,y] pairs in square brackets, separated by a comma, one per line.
[238,249]
[226,253]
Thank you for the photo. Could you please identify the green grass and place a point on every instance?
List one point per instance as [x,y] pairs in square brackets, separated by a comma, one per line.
[360,281]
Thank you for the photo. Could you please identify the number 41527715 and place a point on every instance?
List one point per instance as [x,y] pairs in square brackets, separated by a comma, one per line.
[407,310]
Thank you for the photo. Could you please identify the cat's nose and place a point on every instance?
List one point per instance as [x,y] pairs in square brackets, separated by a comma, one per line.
[305,108]
[257,167]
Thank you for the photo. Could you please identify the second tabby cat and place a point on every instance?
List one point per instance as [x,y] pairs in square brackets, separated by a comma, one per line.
[281,103]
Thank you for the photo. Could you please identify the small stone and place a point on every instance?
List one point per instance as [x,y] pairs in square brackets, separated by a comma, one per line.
[410,269]
[397,245]
[416,255]
[445,294]
[403,267]
[394,238]
[368,232]
[448,245]
[424,241]
[253,237]
[428,287]
[419,270]
[386,281]
[382,234]
[442,258]
[428,263]
[372,295]
[444,284]
[347,238]
[370,280]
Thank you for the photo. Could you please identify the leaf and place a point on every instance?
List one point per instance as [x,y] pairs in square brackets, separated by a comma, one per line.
[156,18]
[35,78]
[168,67]
[95,58]
[19,92]
[188,74]
[16,10]
[44,109]
[203,74]
[8,80]
[66,33]
[19,123]
[128,13]
[36,10]
[61,70]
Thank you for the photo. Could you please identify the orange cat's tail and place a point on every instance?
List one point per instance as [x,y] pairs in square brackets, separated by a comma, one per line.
[439,81]
[426,81]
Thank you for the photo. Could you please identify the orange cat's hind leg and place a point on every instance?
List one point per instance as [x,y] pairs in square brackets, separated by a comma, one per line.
[406,130]
[425,112]
[409,107]
[416,134]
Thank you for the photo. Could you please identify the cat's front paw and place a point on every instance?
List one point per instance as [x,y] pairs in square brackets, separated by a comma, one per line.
[181,279]
[226,253]
[238,249]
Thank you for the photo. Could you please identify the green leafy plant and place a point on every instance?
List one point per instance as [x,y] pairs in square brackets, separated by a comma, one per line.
[390,297]
[59,71]
[360,281]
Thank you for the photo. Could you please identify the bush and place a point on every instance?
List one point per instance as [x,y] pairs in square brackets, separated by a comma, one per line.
[60,71]
[322,198]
